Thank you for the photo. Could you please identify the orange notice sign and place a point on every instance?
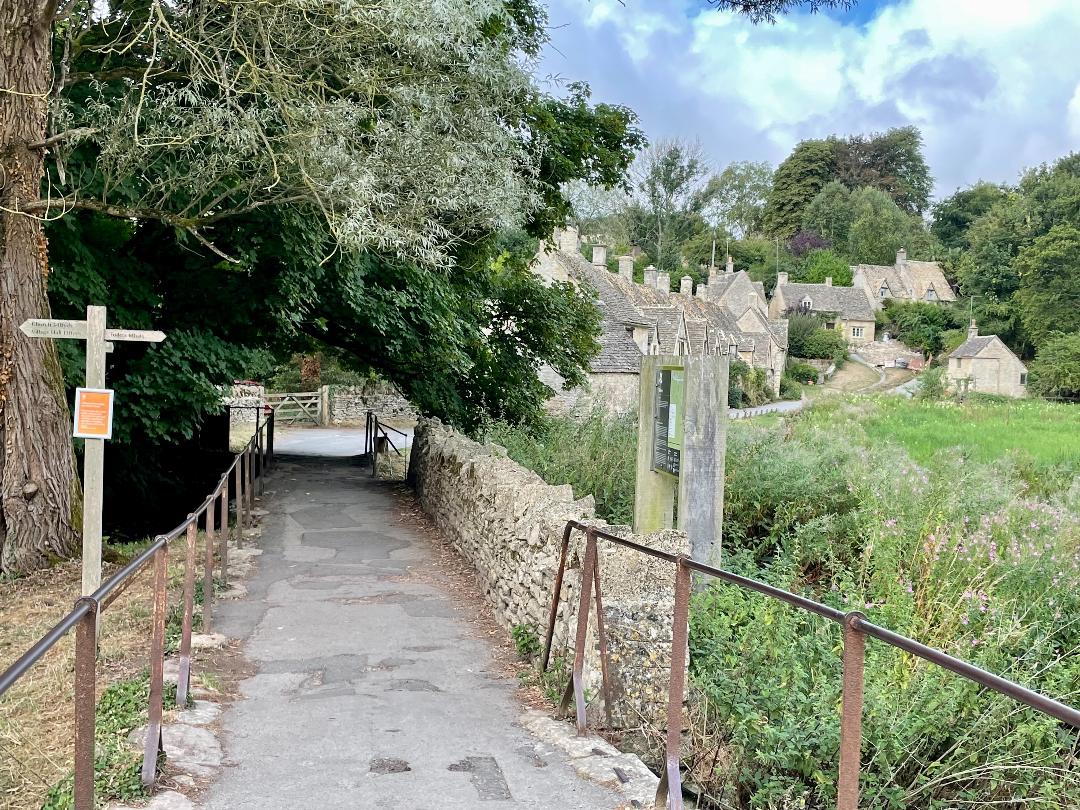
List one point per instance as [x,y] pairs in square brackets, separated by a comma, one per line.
[93,413]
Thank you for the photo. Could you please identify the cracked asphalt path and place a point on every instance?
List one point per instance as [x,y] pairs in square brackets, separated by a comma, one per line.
[370,690]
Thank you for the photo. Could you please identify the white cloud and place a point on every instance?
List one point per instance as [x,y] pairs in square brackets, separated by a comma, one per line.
[991,83]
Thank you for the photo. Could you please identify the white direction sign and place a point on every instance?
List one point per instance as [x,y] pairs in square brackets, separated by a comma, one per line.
[53,328]
[98,342]
[141,335]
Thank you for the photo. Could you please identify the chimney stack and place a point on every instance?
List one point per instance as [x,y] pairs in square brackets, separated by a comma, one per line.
[599,256]
[626,268]
[566,239]
[730,268]
[973,329]
[781,278]
[713,272]
[901,257]
[663,282]
[828,281]
[650,276]
[686,285]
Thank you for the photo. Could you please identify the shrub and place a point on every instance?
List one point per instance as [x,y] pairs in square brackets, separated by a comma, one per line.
[802,372]
[822,264]
[790,388]
[800,327]
[747,387]
[825,344]
[1056,370]
[932,384]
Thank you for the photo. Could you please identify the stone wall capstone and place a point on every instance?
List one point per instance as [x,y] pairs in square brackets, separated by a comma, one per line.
[508,524]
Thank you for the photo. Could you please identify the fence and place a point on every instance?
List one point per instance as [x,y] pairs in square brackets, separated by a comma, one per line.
[855,625]
[374,443]
[247,471]
[304,406]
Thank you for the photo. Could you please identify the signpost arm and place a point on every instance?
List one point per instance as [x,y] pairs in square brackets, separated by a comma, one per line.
[93,456]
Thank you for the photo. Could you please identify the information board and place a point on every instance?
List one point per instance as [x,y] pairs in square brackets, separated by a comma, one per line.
[668,427]
[93,413]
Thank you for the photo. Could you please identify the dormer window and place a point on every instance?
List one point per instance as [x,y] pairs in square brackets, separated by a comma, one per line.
[931,295]
[884,291]
[806,304]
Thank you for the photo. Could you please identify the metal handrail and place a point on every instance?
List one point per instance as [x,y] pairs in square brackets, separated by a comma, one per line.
[248,469]
[856,628]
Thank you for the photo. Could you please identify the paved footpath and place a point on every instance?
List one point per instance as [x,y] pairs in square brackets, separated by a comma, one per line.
[370,691]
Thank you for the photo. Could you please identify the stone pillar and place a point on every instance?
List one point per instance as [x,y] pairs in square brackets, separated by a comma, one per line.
[701,479]
[599,256]
[663,282]
[650,276]
[626,268]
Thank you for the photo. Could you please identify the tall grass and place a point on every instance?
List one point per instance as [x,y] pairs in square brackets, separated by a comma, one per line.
[595,454]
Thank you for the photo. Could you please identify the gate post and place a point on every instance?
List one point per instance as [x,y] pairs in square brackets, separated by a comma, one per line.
[324,406]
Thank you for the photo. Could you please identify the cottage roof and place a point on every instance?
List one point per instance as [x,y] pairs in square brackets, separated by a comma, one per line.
[618,351]
[973,345]
[907,279]
[667,320]
[614,303]
[850,303]
[927,275]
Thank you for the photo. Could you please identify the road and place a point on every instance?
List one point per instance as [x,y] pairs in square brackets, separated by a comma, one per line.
[330,442]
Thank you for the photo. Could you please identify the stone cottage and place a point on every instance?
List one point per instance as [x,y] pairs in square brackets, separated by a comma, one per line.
[906,280]
[983,363]
[727,315]
[846,309]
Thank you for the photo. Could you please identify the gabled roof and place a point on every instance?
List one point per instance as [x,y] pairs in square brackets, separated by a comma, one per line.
[973,345]
[925,275]
[614,303]
[908,279]
[667,321]
[850,303]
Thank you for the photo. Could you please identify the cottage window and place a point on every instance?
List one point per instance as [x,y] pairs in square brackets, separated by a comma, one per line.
[884,291]
[806,305]
[931,295]
[830,324]
[856,331]
[1023,378]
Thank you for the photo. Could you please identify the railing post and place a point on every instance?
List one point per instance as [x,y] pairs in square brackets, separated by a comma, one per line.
[85,704]
[270,438]
[577,684]
[669,791]
[183,682]
[601,635]
[152,743]
[238,485]
[553,614]
[223,532]
[250,505]
[208,571]
[256,461]
[847,792]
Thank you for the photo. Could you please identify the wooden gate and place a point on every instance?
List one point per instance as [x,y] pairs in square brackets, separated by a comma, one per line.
[305,407]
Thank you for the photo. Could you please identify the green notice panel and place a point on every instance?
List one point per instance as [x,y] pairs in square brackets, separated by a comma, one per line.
[668,428]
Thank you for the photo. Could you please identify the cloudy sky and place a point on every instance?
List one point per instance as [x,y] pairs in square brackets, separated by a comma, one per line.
[994,85]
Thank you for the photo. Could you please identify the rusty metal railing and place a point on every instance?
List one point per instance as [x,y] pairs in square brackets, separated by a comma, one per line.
[856,628]
[247,469]
[372,428]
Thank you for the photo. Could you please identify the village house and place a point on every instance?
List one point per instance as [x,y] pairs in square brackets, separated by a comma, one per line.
[983,363]
[846,309]
[906,280]
[728,315]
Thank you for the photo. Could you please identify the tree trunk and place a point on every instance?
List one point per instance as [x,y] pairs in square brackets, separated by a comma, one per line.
[40,496]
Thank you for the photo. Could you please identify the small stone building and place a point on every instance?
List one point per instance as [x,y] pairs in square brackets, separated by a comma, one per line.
[984,364]
[846,309]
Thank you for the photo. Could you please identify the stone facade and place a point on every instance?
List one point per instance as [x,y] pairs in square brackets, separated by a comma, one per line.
[846,309]
[508,524]
[243,398]
[985,365]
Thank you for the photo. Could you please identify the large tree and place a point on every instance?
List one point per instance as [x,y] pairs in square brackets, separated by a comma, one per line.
[670,178]
[954,215]
[192,114]
[736,197]
[891,161]
[805,172]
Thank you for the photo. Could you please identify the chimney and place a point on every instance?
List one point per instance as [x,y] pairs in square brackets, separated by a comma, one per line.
[973,329]
[650,276]
[663,282]
[599,256]
[713,271]
[730,268]
[901,257]
[566,239]
[626,268]
[686,285]
[828,281]
[781,278]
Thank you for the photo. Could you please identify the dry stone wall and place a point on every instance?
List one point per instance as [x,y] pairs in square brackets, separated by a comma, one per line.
[508,523]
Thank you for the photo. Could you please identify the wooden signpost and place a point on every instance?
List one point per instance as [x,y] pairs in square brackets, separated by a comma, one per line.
[92,418]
